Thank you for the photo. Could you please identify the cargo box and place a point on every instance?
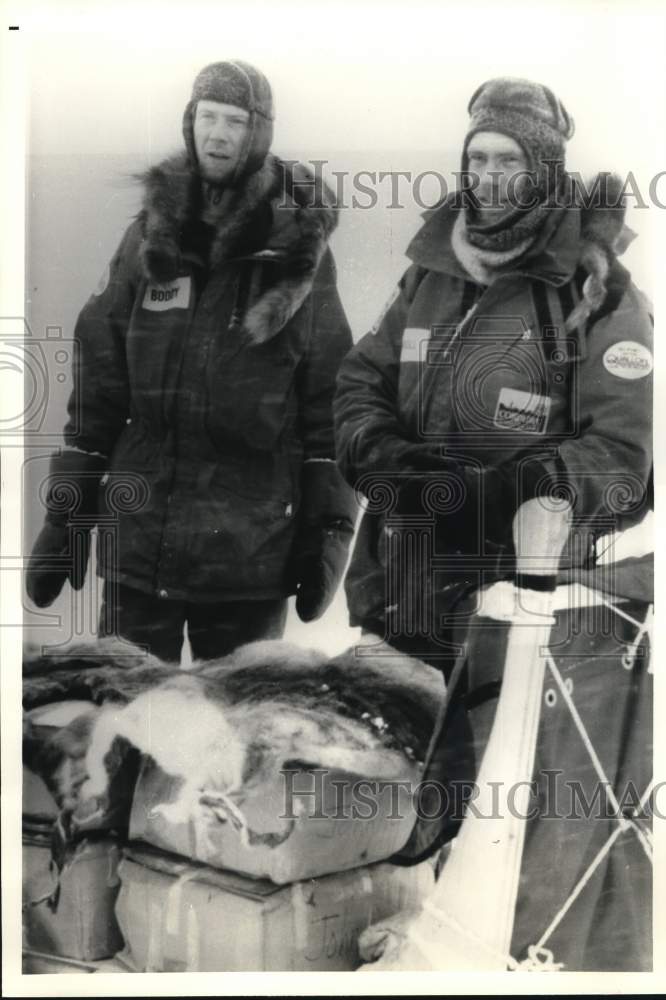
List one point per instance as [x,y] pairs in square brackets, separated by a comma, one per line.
[178,917]
[81,924]
[300,825]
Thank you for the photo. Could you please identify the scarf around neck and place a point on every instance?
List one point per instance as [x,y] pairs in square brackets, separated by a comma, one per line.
[483,264]
[511,230]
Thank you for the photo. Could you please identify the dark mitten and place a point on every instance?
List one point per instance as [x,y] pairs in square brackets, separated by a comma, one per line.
[528,476]
[60,552]
[62,548]
[319,568]
[328,515]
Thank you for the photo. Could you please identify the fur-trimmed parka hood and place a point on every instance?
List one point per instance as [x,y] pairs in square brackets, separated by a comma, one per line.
[282,213]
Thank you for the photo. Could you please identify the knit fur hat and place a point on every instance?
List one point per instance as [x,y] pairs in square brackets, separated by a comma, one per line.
[527,112]
[238,83]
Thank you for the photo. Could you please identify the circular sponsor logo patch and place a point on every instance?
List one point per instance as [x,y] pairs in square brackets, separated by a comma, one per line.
[628,359]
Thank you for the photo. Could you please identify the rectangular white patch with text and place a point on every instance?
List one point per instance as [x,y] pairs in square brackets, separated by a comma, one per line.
[522,411]
[175,295]
[412,339]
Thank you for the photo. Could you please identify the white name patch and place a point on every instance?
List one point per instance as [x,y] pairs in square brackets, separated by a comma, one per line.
[412,339]
[175,295]
[628,359]
[522,411]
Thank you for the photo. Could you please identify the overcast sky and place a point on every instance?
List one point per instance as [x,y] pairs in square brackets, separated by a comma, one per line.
[114,78]
[375,77]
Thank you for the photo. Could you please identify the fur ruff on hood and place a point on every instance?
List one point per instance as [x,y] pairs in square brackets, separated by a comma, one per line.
[303,216]
[604,237]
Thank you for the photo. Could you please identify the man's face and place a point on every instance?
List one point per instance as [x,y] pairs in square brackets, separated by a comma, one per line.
[220,131]
[495,158]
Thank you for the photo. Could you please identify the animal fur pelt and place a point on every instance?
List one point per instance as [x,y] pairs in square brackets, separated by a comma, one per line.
[604,237]
[226,725]
[301,215]
[109,670]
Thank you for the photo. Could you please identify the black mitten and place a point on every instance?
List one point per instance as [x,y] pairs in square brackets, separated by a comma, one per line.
[62,548]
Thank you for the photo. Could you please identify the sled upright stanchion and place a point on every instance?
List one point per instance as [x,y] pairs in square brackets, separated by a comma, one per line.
[468,921]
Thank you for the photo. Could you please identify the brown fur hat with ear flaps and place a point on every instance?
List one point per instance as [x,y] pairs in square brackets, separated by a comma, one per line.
[244,86]
[528,112]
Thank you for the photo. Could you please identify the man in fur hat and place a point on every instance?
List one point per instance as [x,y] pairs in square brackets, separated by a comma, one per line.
[200,433]
[513,360]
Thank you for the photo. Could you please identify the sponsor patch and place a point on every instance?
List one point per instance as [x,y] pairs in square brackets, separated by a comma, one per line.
[412,338]
[175,295]
[628,359]
[103,282]
[522,411]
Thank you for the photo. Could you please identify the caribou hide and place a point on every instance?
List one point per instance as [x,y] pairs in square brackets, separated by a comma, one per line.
[227,724]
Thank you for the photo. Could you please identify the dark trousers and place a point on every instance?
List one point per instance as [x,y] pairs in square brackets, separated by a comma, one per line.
[213,629]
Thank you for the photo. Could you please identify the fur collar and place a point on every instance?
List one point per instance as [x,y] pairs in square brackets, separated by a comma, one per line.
[603,238]
[281,213]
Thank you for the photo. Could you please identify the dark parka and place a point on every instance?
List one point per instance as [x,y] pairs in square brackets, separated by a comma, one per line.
[490,376]
[206,388]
